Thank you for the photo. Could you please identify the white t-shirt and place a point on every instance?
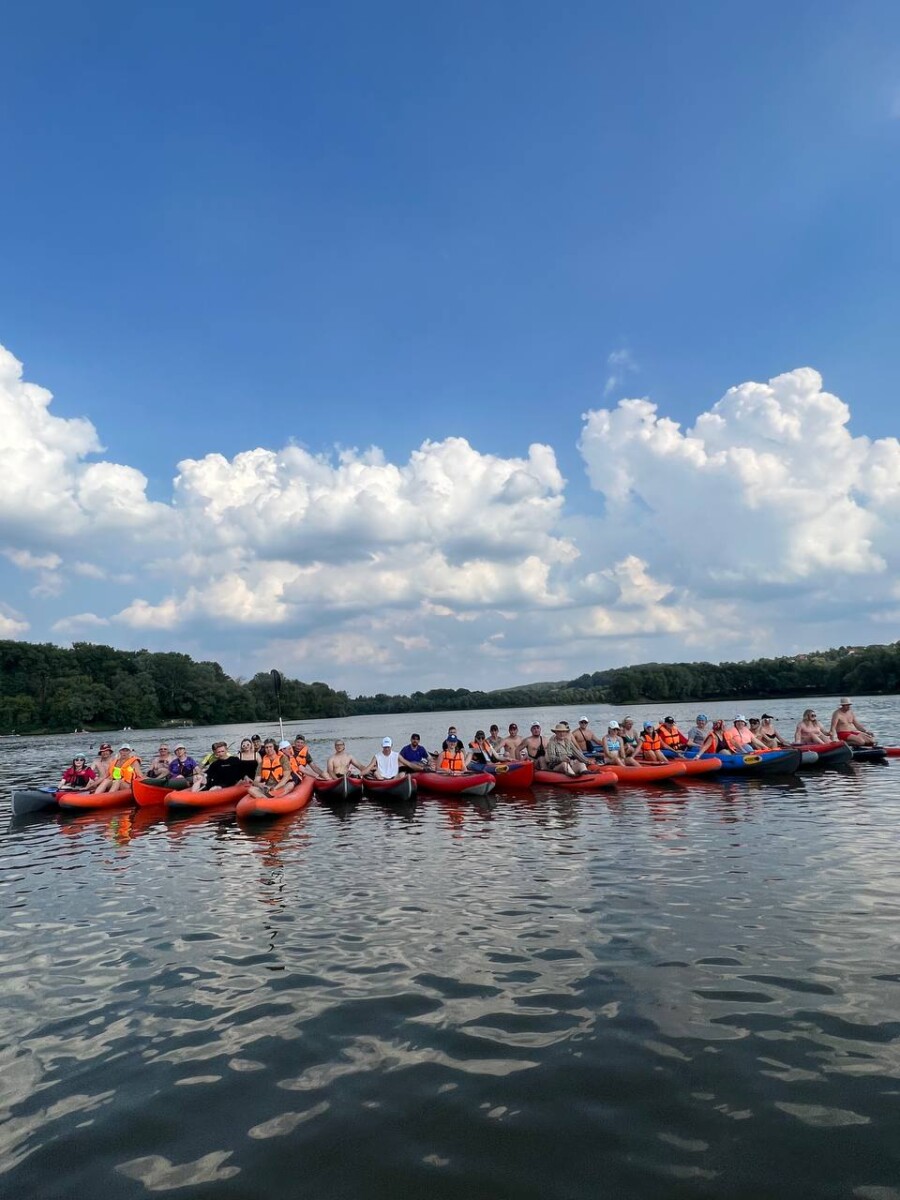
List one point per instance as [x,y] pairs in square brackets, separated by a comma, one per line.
[388,764]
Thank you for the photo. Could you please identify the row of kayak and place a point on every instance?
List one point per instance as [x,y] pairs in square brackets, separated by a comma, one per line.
[505,776]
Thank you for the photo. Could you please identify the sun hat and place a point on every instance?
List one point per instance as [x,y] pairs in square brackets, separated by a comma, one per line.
[80,754]
[180,746]
[702,717]
[740,717]
[125,746]
[846,700]
[561,727]
[105,746]
[386,742]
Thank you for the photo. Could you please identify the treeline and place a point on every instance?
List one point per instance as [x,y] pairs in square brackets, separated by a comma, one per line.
[46,687]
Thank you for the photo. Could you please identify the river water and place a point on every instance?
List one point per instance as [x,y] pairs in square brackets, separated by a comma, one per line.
[681,991]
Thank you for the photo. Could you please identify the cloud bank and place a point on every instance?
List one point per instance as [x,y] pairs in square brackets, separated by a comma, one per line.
[765,527]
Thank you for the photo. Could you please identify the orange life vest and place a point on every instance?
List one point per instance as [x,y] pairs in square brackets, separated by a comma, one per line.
[123,770]
[271,767]
[671,737]
[650,740]
[299,758]
[453,760]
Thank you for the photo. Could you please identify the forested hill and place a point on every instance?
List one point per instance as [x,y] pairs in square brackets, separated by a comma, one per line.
[45,687]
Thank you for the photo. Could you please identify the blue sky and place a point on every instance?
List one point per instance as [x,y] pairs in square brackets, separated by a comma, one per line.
[230,226]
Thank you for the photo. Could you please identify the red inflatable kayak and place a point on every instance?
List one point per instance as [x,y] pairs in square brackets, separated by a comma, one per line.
[401,787]
[92,800]
[277,806]
[512,776]
[217,798]
[588,782]
[650,772]
[700,766]
[348,787]
[460,784]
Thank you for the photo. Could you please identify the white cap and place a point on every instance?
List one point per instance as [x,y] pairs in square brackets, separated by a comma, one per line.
[284,745]
[125,746]
[614,725]
[386,742]
[740,717]
[586,720]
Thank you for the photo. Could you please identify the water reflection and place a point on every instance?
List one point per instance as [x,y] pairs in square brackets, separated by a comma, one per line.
[684,989]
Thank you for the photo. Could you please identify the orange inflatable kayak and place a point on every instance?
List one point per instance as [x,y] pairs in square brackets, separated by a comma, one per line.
[150,795]
[649,772]
[254,807]
[217,798]
[92,800]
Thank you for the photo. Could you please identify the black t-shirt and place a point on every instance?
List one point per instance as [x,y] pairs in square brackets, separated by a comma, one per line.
[226,772]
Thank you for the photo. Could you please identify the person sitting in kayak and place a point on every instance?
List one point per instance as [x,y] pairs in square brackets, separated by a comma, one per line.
[414,756]
[613,747]
[496,740]
[512,743]
[159,767]
[846,728]
[715,741]
[671,736]
[224,771]
[534,746]
[122,769]
[482,750]
[341,763]
[454,759]
[304,761]
[79,776]
[585,738]
[809,731]
[769,735]
[248,754]
[181,766]
[561,753]
[698,732]
[740,739]
[386,763]
[631,741]
[100,765]
[651,744]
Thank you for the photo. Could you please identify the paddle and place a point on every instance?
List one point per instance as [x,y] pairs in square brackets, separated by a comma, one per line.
[277,681]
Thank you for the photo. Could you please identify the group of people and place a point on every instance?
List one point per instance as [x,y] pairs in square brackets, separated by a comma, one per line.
[276,766]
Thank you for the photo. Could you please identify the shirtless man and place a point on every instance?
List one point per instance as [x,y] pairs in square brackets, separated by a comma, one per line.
[846,727]
[534,746]
[341,763]
[585,738]
[512,743]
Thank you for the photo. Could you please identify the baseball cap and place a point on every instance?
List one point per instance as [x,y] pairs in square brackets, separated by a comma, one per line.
[672,719]
[284,744]
[767,717]
[451,738]
[702,717]
[125,746]
[386,742]
[584,720]
[648,724]
[614,725]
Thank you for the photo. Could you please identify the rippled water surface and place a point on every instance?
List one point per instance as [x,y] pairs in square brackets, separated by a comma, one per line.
[689,990]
